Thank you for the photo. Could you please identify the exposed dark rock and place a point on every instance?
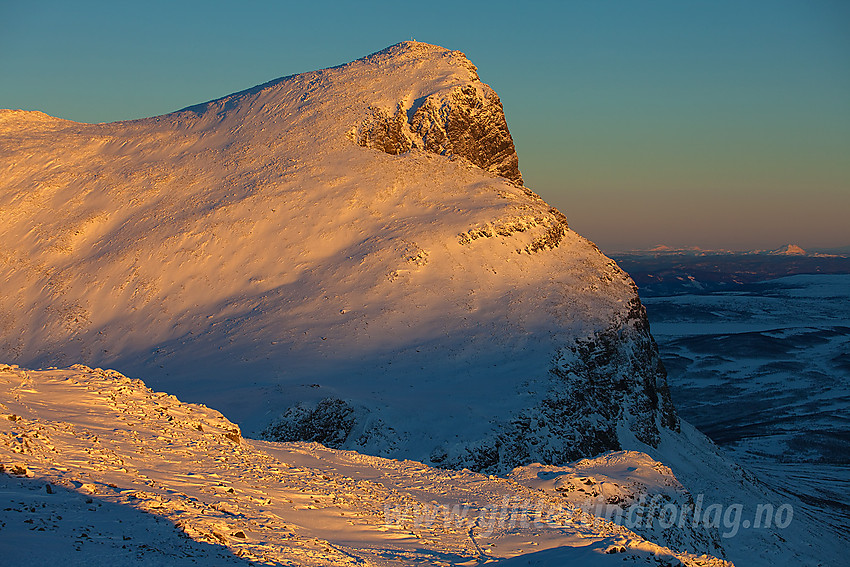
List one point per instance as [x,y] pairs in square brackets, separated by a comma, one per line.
[554,234]
[381,131]
[555,224]
[329,423]
[468,122]
[617,375]
[615,378]
[611,380]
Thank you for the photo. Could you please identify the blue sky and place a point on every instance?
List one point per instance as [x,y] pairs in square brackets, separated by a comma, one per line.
[707,123]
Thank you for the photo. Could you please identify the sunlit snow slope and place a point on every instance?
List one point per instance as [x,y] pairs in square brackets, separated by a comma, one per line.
[94,462]
[350,249]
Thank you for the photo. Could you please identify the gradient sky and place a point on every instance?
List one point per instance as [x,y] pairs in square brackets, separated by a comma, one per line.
[689,123]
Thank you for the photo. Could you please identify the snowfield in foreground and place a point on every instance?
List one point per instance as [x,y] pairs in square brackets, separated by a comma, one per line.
[98,467]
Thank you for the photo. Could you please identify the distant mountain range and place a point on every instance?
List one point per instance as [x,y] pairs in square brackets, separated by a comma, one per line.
[787,250]
[664,270]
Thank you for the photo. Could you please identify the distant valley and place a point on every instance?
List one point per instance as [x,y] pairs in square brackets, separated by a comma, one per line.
[668,271]
[757,350]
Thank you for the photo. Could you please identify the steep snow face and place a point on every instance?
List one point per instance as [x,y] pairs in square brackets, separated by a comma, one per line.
[344,256]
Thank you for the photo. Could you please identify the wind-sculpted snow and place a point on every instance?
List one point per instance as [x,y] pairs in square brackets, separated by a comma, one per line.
[618,484]
[353,239]
[90,458]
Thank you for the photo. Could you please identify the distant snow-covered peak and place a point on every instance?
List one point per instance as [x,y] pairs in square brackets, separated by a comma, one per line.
[789,250]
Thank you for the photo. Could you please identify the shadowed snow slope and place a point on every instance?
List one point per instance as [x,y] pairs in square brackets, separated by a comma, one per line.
[345,256]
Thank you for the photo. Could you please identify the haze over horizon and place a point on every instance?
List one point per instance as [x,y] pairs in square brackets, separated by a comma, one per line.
[719,125]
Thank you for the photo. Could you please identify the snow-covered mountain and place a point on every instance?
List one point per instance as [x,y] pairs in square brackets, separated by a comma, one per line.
[789,250]
[348,257]
[345,256]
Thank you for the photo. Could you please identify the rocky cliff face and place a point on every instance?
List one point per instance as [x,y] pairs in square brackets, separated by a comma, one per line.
[346,256]
[468,122]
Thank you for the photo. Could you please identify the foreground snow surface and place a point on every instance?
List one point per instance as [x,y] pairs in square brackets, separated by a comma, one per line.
[99,468]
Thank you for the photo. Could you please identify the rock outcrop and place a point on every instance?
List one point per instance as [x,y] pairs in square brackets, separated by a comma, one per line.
[466,122]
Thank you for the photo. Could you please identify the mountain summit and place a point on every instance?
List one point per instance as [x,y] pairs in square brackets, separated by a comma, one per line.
[789,250]
[345,256]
